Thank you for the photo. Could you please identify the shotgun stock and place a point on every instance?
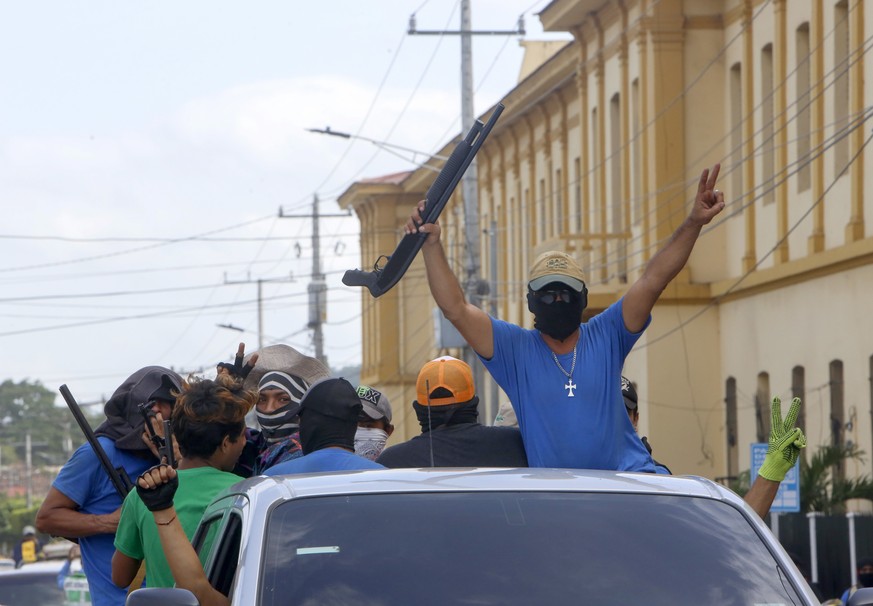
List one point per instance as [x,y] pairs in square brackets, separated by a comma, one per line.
[381,279]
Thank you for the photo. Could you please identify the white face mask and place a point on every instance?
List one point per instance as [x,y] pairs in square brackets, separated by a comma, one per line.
[369,442]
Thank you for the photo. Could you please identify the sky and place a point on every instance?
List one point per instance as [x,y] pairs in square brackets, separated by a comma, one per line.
[146,149]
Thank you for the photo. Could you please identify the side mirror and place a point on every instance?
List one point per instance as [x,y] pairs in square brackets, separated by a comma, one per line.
[862,597]
[161,596]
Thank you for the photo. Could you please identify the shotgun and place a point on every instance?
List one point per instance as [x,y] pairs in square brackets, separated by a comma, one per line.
[117,475]
[381,279]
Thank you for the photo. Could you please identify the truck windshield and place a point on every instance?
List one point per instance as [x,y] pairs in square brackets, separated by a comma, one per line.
[517,548]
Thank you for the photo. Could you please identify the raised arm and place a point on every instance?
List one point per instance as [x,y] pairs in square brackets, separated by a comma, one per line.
[669,261]
[473,323]
[156,488]
[785,444]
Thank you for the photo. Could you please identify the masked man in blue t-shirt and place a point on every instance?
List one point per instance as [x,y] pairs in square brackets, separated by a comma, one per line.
[82,502]
[563,377]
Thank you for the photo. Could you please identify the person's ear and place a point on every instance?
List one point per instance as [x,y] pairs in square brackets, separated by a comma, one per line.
[389,429]
[226,444]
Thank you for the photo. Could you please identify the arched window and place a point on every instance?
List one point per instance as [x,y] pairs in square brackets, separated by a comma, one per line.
[802,88]
[838,414]
[731,432]
[762,407]
[798,390]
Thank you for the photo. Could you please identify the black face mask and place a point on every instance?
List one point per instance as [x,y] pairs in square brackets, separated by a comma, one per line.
[558,319]
[319,431]
[866,579]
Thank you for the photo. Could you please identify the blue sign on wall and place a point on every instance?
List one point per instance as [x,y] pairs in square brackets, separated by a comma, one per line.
[788,496]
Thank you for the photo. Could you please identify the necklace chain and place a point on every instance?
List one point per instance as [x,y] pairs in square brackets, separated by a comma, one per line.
[569,375]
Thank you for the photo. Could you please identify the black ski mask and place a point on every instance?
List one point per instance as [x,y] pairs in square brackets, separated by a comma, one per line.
[553,316]
[329,416]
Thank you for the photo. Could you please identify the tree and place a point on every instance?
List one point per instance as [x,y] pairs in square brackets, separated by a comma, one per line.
[820,488]
[29,407]
[824,491]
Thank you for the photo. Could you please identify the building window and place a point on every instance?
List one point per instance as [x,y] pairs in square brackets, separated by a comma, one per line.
[802,92]
[577,194]
[619,248]
[841,83]
[762,407]
[736,101]
[838,415]
[560,227]
[870,379]
[597,202]
[730,402]
[798,390]
[530,232]
[636,160]
[768,177]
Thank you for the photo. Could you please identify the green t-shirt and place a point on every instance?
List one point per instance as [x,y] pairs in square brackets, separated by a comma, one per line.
[137,535]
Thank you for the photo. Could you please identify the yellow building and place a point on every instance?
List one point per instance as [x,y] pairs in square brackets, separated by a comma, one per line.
[598,154]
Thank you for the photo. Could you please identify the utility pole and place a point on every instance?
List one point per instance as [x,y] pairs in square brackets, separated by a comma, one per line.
[317,286]
[28,458]
[469,182]
[28,465]
[260,283]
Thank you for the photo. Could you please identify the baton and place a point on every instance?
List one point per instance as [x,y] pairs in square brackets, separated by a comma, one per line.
[117,475]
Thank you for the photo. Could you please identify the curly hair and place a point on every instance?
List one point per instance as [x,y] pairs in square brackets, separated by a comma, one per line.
[207,410]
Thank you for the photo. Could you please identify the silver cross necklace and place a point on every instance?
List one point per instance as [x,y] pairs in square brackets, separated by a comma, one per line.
[570,386]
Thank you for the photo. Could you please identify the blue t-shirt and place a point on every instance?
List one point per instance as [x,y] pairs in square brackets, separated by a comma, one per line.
[84,481]
[326,459]
[576,422]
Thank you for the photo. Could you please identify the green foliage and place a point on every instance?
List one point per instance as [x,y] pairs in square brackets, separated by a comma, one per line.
[822,490]
[28,406]
[741,483]
[14,516]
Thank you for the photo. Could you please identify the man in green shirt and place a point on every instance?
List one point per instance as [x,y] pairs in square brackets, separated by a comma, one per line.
[209,425]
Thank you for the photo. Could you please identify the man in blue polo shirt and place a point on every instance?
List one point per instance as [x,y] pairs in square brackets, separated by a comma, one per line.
[82,501]
[563,376]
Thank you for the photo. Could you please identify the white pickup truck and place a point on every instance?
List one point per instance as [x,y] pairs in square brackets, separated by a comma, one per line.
[489,537]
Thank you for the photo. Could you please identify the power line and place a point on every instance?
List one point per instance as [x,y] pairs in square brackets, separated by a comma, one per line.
[119,253]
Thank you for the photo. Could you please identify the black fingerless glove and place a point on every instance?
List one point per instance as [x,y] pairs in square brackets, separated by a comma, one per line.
[238,370]
[160,497]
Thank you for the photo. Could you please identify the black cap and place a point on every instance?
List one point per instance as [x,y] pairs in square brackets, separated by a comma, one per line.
[629,394]
[335,398]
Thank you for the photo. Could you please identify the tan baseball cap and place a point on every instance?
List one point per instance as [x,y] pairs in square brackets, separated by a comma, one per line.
[556,266]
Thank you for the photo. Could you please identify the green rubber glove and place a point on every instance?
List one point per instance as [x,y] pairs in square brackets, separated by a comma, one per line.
[786,440]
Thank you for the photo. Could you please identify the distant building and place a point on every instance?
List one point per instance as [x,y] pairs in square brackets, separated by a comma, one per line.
[598,154]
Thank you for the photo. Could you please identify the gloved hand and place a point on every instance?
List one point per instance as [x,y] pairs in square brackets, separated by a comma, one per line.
[156,487]
[237,370]
[786,440]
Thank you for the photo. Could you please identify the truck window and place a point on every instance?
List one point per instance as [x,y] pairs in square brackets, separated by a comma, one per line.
[517,548]
[226,558]
[205,537]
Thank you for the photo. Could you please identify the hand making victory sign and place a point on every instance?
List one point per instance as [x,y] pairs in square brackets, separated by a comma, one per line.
[709,201]
[237,370]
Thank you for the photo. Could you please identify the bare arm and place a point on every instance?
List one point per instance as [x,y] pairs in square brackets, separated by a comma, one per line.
[59,515]
[473,323]
[184,563]
[669,261]
[761,494]
[124,569]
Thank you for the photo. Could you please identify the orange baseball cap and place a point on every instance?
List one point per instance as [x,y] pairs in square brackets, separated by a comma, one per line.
[451,374]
